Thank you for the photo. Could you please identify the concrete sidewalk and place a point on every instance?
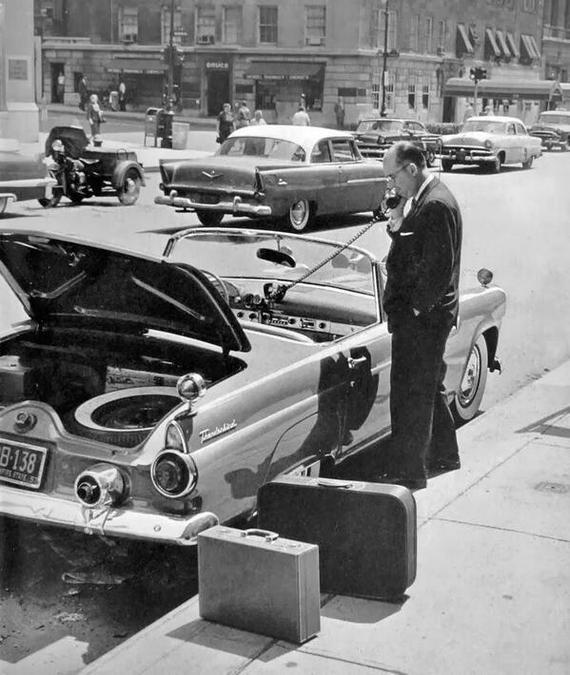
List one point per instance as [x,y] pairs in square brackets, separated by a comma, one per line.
[492,593]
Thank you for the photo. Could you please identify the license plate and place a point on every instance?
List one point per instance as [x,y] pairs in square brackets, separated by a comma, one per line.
[22,464]
[205,198]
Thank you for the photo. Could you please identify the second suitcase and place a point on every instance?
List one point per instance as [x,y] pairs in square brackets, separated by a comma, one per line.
[366,532]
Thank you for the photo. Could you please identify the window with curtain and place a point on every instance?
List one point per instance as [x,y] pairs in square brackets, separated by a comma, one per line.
[268,24]
[412,94]
[425,96]
[315,24]
[205,24]
[128,24]
[231,28]
[165,25]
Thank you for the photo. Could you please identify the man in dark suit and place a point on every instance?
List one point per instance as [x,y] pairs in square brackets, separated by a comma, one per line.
[421,300]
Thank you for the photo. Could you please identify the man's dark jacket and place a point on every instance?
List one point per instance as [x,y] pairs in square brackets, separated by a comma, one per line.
[424,259]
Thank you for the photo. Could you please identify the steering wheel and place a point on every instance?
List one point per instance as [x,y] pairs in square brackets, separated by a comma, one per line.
[218,284]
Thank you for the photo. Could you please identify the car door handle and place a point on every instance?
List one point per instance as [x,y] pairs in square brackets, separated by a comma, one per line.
[354,363]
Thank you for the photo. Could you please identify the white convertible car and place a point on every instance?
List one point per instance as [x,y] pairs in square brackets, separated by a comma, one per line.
[491,142]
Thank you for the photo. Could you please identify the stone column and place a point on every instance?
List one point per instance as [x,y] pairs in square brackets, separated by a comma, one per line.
[19,117]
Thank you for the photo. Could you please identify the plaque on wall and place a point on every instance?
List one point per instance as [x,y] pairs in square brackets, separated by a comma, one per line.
[17,69]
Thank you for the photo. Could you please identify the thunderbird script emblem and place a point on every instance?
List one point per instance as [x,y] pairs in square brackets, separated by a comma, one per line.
[212,175]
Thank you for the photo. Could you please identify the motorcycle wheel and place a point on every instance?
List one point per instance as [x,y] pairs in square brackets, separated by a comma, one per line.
[129,191]
[50,203]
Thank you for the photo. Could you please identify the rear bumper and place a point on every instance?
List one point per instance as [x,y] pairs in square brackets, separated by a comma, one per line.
[112,522]
[467,156]
[236,206]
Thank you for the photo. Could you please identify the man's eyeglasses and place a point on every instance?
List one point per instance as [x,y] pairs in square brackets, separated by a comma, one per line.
[392,176]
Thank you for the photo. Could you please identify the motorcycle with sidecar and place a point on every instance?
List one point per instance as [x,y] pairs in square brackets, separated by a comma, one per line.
[83,170]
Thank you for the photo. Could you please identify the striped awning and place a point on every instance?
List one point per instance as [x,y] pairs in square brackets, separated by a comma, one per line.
[502,43]
[463,41]
[513,45]
[490,39]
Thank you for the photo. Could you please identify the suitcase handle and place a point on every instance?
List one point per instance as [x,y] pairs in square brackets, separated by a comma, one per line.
[266,534]
[323,482]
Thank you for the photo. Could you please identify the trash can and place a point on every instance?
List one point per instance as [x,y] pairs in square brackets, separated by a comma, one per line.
[151,124]
[180,135]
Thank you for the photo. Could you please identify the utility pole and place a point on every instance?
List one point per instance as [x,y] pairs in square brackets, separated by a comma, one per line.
[384,60]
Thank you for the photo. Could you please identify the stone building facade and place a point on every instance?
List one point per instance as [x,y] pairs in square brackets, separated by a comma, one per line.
[396,54]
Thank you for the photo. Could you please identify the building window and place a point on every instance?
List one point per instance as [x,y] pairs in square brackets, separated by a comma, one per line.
[268,24]
[375,95]
[442,37]
[389,102]
[392,30]
[205,25]
[428,36]
[411,94]
[415,33]
[128,24]
[529,5]
[315,25]
[425,97]
[231,27]
[165,25]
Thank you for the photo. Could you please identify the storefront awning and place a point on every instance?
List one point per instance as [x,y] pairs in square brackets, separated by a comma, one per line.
[283,70]
[502,42]
[139,66]
[493,48]
[527,89]
[529,47]
[513,45]
[464,43]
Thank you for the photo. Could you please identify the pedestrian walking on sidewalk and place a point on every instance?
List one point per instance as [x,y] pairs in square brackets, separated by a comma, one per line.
[339,113]
[122,95]
[258,118]
[95,117]
[300,118]
[421,301]
[243,116]
[225,123]
[83,92]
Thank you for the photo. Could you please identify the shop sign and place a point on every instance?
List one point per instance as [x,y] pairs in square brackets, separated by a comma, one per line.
[217,65]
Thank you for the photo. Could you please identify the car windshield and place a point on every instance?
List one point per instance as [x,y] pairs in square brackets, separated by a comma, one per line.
[258,146]
[379,125]
[488,126]
[554,119]
[235,255]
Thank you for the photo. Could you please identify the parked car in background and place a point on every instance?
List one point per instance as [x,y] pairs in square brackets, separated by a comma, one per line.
[150,396]
[22,177]
[490,142]
[289,173]
[553,129]
[375,135]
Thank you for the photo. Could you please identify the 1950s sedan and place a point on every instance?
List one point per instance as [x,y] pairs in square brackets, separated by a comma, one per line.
[150,397]
[374,135]
[284,172]
[553,129]
[22,176]
[490,142]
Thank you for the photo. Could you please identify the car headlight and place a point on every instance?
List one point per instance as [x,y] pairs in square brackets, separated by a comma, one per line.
[488,144]
[173,473]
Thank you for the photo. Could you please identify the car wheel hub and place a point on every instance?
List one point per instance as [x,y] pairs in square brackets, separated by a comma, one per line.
[299,214]
[470,380]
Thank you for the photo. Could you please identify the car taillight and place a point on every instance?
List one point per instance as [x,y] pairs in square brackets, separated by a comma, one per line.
[174,473]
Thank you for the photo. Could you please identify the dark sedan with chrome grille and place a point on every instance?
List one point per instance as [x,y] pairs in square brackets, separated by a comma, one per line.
[288,173]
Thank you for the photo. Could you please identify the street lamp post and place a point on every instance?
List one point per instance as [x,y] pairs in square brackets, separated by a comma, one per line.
[169,114]
[384,60]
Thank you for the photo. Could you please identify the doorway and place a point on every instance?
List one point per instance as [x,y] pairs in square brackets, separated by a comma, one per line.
[218,91]
[56,92]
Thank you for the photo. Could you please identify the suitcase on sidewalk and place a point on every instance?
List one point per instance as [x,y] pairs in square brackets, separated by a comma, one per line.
[366,532]
[257,581]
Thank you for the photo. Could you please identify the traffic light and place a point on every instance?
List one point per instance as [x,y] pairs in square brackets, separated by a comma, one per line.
[477,74]
[177,55]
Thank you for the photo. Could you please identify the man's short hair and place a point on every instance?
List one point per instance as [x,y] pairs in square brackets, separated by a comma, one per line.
[408,152]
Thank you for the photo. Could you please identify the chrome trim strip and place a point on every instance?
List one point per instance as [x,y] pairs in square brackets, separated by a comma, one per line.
[234,207]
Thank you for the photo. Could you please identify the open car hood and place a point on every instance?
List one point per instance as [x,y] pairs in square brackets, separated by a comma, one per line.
[63,281]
